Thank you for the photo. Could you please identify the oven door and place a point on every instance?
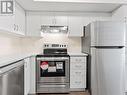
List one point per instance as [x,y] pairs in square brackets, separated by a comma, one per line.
[53,69]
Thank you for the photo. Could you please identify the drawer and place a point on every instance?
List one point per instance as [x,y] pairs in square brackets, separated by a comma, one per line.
[78,66]
[78,59]
[76,82]
[77,73]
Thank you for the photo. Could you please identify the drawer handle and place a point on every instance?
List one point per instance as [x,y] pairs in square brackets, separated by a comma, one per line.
[78,72]
[78,82]
[78,66]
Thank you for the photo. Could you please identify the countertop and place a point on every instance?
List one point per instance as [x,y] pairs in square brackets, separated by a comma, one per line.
[11,59]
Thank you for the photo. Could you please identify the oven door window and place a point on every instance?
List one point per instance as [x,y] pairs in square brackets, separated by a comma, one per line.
[52,68]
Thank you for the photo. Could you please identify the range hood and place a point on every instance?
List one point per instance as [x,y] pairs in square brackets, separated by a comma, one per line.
[54,29]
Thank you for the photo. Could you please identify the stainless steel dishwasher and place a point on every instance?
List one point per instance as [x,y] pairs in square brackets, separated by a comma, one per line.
[12,79]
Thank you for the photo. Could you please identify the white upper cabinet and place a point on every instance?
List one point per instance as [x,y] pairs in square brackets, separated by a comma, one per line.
[61,20]
[13,23]
[54,20]
[47,20]
[75,26]
[7,23]
[33,25]
[19,20]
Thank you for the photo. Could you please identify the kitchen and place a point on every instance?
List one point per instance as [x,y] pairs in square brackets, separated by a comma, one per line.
[22,38]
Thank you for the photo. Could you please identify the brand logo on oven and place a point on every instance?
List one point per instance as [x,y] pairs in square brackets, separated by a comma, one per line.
[44,65]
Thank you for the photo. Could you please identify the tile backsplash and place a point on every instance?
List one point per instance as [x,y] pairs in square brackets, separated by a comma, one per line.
[36,45]
[10,45]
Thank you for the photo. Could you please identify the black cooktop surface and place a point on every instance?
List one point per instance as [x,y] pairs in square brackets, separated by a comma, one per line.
[54,53]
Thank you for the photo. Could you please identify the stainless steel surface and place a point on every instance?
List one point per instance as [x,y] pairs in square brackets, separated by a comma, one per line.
[52,58]
[103,41]
[54,29]
[58,84]
[12,79]
[53,88]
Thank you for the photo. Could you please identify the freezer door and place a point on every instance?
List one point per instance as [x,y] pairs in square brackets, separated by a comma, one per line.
[108,66]
[105,33]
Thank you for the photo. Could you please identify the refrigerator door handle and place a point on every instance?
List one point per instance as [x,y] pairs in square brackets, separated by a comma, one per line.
[108,47]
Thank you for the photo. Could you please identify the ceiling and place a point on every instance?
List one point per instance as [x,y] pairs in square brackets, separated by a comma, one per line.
[31,5]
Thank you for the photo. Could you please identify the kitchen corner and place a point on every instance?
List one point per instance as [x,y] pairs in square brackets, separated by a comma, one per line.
[13,58]
[68,47]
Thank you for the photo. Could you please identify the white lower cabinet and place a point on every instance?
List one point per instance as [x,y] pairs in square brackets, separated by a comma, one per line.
[126,71]
[26,76]
[77,73]
[30,75]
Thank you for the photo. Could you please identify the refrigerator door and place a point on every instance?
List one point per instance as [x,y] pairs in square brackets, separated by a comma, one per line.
[108,67]
[94,84]
[105,33]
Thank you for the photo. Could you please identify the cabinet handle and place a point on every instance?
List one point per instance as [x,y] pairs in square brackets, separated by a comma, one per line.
[55,20]
[78,82]
[78,66]
[17,27]
[78,72]
[14,27]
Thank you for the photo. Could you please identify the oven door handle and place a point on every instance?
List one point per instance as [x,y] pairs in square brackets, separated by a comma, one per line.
[52,59]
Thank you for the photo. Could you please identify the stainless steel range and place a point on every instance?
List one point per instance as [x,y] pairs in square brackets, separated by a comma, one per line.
[53,70]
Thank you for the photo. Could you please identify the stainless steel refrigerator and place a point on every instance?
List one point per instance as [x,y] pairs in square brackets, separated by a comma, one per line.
[104,41]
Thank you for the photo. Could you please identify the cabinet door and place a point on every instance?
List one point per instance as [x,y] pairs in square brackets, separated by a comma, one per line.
[27,76]
[33,25]
[78,63]
[126,70]
[47,20]
[78,79]
[61,20]
[19,20]
[75,26]
[7,23]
